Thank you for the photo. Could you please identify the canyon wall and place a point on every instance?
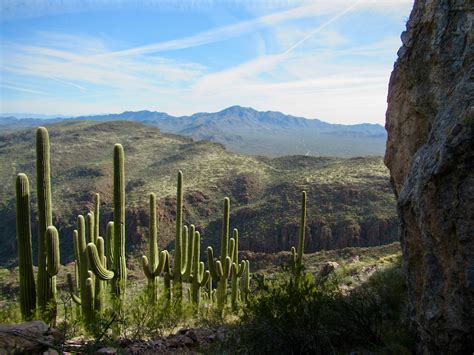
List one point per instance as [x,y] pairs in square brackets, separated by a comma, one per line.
[430,154]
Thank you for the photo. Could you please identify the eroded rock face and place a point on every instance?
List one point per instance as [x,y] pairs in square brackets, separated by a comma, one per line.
[430,154]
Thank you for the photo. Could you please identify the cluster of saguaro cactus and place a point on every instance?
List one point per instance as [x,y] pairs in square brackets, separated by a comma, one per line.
[91,292]
[296,261]
[99,261]
[43,294]
[185,265]
[228,265]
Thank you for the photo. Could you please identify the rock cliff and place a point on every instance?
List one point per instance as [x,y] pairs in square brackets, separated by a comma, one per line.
[430,154]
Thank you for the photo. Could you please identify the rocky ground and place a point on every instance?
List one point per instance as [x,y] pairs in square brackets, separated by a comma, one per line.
[37,338]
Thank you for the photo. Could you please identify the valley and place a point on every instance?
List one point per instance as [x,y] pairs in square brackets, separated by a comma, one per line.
[350,201]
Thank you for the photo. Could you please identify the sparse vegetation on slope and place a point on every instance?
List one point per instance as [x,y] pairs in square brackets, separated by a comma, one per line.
[350,200]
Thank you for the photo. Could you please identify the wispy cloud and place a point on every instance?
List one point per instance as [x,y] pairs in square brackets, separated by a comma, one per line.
[318,71]
[263,63]
[23,89]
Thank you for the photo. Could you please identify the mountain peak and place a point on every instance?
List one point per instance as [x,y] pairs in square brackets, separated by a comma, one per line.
[237,109]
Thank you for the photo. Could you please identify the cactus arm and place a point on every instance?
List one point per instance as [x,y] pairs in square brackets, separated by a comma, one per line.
[100,247]
[190,257]
[109,244]
[212,263]
[232,250]
[205,275]
[90,227]
[98,282]
[96,216]
[235,254]
[95,264]
[146,268]
[220,271]
[75,239]
[25,258]
[70,285]
[240,269]
[227,267]
[184,251]
[161,263]
[52,249]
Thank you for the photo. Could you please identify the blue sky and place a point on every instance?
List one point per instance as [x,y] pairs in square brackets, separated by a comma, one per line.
[318,59]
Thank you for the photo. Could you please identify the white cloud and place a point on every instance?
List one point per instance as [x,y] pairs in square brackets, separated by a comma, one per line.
[304,79]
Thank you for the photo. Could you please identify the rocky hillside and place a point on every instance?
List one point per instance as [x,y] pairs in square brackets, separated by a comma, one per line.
[350,200]
[430,153]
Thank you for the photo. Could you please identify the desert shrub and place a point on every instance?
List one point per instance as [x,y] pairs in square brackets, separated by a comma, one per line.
[297,316]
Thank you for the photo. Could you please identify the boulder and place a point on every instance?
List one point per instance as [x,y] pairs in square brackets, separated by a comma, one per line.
[430,154]
[31,337]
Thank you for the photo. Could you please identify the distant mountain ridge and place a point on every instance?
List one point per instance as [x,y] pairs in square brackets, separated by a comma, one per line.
[246,130]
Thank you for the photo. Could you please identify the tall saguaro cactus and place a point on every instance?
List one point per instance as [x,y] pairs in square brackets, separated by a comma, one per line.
[45,217]
[153,266]
[120,266]
[199,276]
[297,255]
[182,250]
[236,268]
[220,269]
[97,263]
[25,260]
[245,282]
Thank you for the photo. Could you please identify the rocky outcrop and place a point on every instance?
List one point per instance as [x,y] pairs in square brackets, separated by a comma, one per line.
[28,338]
[321,235]
[430,154]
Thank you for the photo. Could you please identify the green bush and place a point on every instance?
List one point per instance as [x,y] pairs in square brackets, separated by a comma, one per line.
[294,315]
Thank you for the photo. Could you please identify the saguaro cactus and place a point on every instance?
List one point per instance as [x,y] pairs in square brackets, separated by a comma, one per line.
[236,268]
[182,251]
[118,274]
[296,262]
[153,266]
[120,266]
[23,235]
[45,290]
[245,282]
[220,269]
[199,276]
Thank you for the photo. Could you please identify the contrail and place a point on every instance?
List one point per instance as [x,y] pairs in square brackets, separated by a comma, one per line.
[319,28]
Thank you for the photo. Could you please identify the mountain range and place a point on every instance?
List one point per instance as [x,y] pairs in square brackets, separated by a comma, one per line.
[350,201]
[248,131]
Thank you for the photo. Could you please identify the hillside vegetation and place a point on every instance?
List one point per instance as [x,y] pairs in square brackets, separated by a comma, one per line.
[350,202]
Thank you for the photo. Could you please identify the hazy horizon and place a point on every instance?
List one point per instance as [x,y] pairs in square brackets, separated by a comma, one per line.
[314,59]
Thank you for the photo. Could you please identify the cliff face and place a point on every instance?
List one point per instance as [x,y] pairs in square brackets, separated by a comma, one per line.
[430,154]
